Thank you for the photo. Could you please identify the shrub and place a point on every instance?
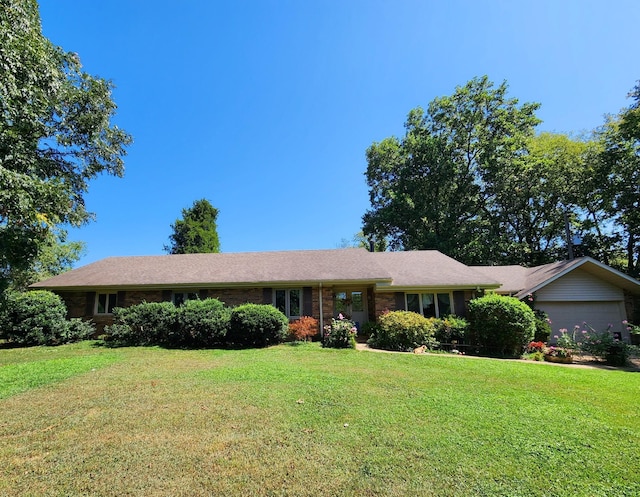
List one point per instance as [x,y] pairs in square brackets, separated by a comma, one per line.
[79,330]
[35,318]
[148,323]
[256,325]
[450,329]
[500,325]
[603,345]
[202,323]
[340,334]
[403,330]
[543,326]
[304,328]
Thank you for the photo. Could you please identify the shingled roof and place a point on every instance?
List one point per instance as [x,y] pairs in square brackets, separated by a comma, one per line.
[425,268]
[520,281]
[431,268]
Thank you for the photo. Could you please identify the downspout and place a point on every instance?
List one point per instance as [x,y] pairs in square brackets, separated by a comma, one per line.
[321,317]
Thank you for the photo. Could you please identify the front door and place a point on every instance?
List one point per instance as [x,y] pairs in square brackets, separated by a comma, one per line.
[352,304]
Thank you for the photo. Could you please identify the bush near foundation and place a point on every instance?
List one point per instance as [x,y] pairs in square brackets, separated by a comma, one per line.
[304,328]
[404,331]
[450,329]
[203,323]
[500,326]
[256,325]
[39,318]
[145,324]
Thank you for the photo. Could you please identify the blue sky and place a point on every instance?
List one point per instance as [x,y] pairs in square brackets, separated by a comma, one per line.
[266,108]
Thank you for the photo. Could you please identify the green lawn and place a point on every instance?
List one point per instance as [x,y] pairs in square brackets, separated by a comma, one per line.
[85,420]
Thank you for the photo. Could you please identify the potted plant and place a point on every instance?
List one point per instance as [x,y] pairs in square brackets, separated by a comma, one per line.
[558,354]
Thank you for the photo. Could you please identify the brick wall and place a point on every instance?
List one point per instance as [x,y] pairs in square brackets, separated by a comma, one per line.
[76,303]
[237,296]
[384,302]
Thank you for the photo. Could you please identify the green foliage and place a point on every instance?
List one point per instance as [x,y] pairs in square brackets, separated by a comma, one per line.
[203,323]
[500,325]
[618,185]
[471,179]
[55,135]
[340,334]
[196,232]
[148,323]
[543,326]
[56,255]
[438,186]
[603,345]
[256,325]
[404,331]
[39,318]
[450,329]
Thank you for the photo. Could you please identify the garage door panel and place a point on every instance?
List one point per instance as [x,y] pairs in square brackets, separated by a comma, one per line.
[598,315]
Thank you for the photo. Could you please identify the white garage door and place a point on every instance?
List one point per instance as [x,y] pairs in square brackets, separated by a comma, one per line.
[598,315]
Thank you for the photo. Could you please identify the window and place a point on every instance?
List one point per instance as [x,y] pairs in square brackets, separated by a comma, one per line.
[105,302]
[430,305]
[179,298]
[288,301]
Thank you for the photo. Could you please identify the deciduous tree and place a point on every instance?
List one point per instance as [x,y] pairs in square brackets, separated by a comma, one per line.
[437,187]
[55,135]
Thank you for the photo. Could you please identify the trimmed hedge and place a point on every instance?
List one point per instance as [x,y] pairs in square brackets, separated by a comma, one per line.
[450,329]
[145,324]
[39,318]
[500,325]
[257,325]
[404,331]
[196,324]
[203,323]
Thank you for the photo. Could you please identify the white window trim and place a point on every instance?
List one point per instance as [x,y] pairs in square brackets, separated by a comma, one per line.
[96,303]
[436,303]
[287,301]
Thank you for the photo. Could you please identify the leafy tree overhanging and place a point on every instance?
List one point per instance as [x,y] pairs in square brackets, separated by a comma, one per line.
[55,135]
[472,179]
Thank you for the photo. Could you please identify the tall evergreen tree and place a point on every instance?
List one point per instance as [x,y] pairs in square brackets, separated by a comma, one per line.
[196,232]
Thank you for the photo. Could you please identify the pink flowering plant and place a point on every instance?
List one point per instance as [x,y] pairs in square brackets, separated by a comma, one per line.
[631,328]
[565,344]
[340,334]
[605,345]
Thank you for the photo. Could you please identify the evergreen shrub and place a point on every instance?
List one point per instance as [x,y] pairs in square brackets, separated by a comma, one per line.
[203,323]
[404,331]
[145,324]
[256,325]
[499,325]
[450,329]
[39,318]
[543,326]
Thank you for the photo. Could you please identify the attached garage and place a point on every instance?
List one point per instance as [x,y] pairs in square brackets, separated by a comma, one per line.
[581,297]
[571,292]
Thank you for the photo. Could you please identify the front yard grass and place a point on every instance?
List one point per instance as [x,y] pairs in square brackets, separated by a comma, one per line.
[302,420]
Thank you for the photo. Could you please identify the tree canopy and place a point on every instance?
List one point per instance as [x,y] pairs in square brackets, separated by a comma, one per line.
[472,179]
[619,175]
[55,135]
[438,187]
[196,232]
